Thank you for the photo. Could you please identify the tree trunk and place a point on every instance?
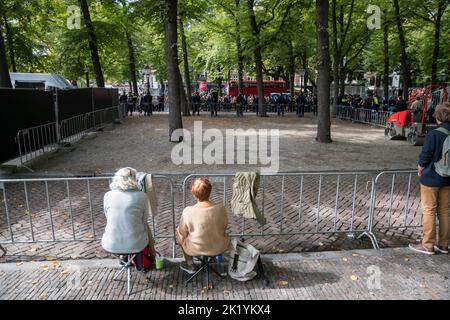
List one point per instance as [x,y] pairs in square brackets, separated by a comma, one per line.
[342,76]
[437,35]
[386,60]
[323,68]
[162,91]
[240,56]
[183,98]
[9,38]
[305,78]
[219,84]
[132,63]
[93,46]
[336,59]
[187,76]
[403,56]
[173,72]
[5,79]
[87,79]
[258,58]
[291,68]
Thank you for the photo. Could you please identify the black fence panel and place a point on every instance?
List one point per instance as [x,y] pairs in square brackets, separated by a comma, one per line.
[21,109]
[73,102]
[105,98]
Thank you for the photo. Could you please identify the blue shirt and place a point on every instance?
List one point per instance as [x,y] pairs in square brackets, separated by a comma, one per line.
[432,153]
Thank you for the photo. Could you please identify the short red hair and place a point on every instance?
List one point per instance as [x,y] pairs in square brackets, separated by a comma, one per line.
[201,189]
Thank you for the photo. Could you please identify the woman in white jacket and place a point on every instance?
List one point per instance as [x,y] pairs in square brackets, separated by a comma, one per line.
[127,213]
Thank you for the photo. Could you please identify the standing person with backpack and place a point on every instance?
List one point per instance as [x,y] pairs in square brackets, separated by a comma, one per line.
[434,172]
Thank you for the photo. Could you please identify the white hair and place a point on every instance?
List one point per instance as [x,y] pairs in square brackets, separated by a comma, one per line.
[124,179]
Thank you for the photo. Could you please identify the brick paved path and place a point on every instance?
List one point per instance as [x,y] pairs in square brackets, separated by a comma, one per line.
[330,275]
[293,212]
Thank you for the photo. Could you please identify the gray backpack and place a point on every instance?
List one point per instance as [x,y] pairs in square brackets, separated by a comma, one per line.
[443,166]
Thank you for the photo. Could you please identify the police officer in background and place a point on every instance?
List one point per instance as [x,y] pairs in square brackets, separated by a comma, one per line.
[240,101]
[281,103]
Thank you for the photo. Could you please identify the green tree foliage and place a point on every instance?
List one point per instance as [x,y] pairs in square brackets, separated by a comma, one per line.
[219,38]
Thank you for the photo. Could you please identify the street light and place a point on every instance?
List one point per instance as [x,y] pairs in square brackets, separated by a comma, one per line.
[147,72]
[302,78]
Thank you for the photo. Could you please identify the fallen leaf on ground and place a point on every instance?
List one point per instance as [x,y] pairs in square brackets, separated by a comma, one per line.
[56,264]
[34,282]
[345,259]
[44,267]
[34,249]
[422,285]
[50,258]
[283,283]
[65,272]
[355,254]
[354,278]
[406,259]
[19,264]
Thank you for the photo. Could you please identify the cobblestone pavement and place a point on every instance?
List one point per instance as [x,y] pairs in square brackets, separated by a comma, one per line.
[72,214]
[330,275]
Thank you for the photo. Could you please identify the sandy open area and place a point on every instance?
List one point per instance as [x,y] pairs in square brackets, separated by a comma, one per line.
[142,143]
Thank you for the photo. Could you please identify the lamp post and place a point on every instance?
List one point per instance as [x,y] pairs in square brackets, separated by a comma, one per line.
[302,79]
[147,72]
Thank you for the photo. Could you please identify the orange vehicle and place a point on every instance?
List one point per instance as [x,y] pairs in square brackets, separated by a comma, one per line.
[415,124]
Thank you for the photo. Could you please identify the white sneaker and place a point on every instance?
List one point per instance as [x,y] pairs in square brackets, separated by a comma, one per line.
[441,249]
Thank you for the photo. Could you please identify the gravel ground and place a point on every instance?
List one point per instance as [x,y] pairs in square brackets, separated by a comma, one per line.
[142,143]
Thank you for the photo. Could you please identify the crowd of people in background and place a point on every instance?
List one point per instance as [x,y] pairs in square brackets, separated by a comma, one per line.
[276,103]
[145,103]
[212,102]
[374,102]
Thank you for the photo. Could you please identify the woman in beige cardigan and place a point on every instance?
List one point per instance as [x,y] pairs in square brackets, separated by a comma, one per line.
[202,229]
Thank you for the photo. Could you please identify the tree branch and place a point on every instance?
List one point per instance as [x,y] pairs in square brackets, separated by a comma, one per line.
[226,8]
[262,23]
[344,35]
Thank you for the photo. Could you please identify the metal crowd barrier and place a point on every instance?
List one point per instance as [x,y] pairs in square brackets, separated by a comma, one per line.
[70,209]
[122,111]
[301,203]
[401,209]
[367,116]
[438,97]
[37,141]
[250,107]
[306,203]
